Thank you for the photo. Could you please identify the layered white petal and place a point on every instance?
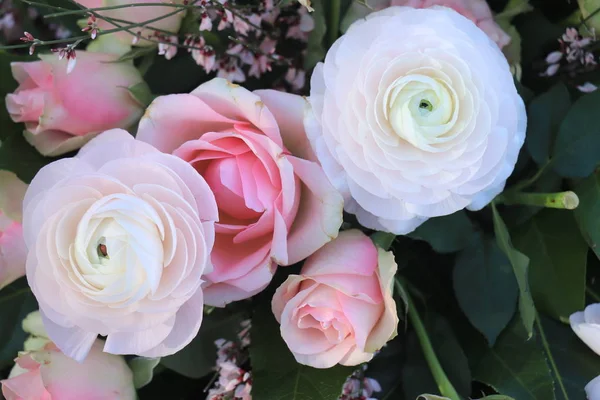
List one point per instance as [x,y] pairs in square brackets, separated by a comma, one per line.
[415,115]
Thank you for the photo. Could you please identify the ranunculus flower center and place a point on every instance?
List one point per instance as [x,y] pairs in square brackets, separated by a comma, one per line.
[421,109]
[119,249]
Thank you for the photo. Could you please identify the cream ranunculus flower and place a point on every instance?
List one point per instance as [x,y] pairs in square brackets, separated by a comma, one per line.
[415,115]
[118,239]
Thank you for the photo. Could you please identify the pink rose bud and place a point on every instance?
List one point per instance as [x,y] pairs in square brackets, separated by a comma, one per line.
[63,109]
[13,252]
[276,206]
[137,14]
[340,310]
[42,372]
[477,11]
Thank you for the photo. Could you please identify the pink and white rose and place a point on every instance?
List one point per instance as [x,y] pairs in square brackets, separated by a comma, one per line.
[276,206]
[42,372]
[62,111]
[415,115]
[13,252]
[340,309]
[118,238]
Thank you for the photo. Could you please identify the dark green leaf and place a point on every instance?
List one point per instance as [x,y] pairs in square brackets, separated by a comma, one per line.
[417,378]
[577,149]
[16,301]
[545,114]
[198,358]
[435,231]
[516,366]
[485,287]
[520,265]
[575,363]
[386,369]
[315,51]
[141,93]
[587,213]
[20,157]
[496,397]
[383,239]
[557,266]
[277,375]
[143,370]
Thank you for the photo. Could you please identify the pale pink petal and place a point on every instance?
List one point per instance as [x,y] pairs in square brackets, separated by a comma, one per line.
[172,120]
[289,112]
[74,342]
[319,214]
[28,385]
[238,103]
[352,252]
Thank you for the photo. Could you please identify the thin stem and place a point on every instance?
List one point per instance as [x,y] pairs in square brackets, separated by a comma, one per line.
[443,383]
[528,182]
[583,21]
[334,21]
[95,9]
[562,200]
[592,294]
[538,323]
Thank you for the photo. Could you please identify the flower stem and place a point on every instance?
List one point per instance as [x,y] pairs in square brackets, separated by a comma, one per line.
[562,200]
[440,377]
[334,21]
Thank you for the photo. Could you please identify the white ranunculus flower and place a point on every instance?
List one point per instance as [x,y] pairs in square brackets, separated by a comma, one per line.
[592,389]
[586,324]
[118,239]
[415,115]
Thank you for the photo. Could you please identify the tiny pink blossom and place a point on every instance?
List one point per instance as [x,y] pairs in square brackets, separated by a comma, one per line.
[168,47]
[554,57]
[587,87]
[205,22]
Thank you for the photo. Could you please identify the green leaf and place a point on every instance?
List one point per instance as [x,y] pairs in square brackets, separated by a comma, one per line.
[557,262]
[587,213]
[315,51]
[544,116]
[516,366]
[417,378]
[520,265]
[143,370]
[20,157]
[355,12]
[496,397]
[383,239]
[277,375]
[198,358]
[575,363]
[141,93]
[577,149]
[16,301]
[485,287]
[386,369]
[435,231]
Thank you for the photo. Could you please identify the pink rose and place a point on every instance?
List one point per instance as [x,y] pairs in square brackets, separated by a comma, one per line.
[477,11]
[62,111]
[275,205]
[118,238]
[340,310]
[12,247]
[42,372]
[137,15]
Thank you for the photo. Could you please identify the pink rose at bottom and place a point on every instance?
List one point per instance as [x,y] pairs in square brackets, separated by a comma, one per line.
[13,252]
[340,309]
[43,372]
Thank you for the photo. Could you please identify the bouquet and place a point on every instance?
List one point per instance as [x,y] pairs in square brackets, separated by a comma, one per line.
[299,200]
